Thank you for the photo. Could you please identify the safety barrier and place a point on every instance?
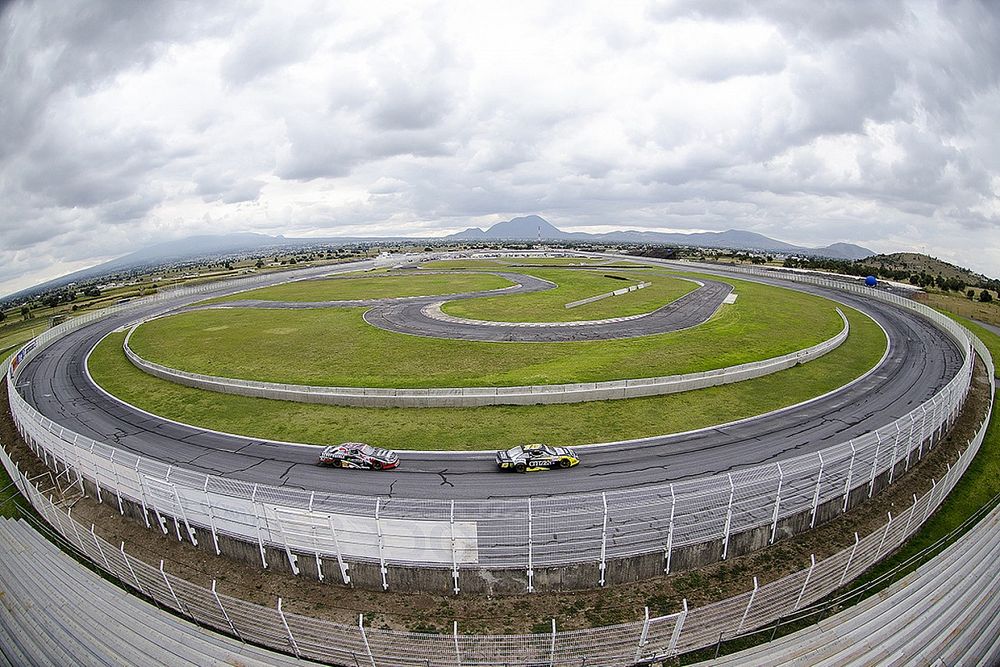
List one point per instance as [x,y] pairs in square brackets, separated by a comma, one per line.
[652,638]
[611,536]
[477,396]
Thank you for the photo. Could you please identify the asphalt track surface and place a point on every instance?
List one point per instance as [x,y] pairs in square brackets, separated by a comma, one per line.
[406,315]
[921,361]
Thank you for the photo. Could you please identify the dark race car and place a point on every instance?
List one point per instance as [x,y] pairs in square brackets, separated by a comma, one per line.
[358,455]
[528,458]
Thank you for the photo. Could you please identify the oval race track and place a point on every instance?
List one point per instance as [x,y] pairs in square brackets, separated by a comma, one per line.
[921,360]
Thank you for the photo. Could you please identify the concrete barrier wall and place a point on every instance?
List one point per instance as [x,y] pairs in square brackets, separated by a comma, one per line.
[477,396]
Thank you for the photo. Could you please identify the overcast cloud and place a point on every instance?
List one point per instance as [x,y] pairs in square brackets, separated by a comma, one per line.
[126,124]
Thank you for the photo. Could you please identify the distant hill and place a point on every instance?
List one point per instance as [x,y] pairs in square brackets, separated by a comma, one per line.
[531,227]
[534,227]
[920,263]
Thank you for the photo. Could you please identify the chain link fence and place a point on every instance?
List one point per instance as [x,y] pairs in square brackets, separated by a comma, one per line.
[653,638]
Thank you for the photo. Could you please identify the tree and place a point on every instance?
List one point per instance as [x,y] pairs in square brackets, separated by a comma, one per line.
[985,296]
[971,294]
[3,316]
[25,311]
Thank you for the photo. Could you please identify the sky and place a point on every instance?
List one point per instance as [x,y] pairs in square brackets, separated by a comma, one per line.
[127,123]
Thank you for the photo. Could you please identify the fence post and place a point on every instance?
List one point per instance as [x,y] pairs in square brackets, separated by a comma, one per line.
[884,535]
[364,637]
[225,615]
[604,536]
[895,451]
[729,517]
[910,444]
[454,551]
[913,510]
[643,637]
[531,571]
[871,482]
[850,474]
[293,559]
[812,566]
[381,545]
[128,564]
[97,473]
[923,420]
[107,565]
[180,506]
[118,493]
[552,646]
[142,492]
[291,639]
[458,651]
[336,546]
[815,503]
[260,536]
[746,611]
[850,559]
[170,588]
[670,529]
[777,503]
[211,518]
[76,530]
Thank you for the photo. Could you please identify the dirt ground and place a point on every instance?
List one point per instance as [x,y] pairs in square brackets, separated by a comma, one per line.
[518,613]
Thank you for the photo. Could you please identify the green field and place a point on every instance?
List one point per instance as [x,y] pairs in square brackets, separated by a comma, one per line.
[488,427]
[374,287]
[507,262]
[573,285]
[336,347]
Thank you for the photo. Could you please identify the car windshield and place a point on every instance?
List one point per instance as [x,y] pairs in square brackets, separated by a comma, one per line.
[514,451]
[367,450]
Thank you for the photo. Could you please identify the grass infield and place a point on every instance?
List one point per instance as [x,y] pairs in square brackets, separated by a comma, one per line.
[573,285]
[374,287]
[494,426]
[336,347]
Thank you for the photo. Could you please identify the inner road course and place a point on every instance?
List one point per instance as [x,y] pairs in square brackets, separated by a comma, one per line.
[922,359]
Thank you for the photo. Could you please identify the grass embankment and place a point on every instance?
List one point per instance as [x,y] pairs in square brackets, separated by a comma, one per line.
[495,426]
[573,285]
[336,347]
[374,287]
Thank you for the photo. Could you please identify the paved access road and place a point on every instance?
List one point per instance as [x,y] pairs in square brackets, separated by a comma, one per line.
[921,361]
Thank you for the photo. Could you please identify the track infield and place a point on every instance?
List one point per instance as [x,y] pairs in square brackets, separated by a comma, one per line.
[488,427]
[335,347]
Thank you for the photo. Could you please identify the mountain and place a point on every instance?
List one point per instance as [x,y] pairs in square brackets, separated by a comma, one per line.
[534,227]
[527,228]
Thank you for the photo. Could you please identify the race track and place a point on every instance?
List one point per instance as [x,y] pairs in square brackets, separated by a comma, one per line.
[921,360]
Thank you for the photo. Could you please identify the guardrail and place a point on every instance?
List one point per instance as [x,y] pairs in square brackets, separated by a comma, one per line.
[478,396]
[648,640]
[611,536]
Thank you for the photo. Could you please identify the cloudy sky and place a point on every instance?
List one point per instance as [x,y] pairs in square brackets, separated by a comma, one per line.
[130,123]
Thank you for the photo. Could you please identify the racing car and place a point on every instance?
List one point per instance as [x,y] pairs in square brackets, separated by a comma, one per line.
[525,458]
[358,455]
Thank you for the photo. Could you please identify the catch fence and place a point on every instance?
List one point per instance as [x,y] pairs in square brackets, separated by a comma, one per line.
[643,641]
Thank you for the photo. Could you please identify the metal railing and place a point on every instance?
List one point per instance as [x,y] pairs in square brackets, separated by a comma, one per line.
[653,638]
[512,534]
[477,396]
